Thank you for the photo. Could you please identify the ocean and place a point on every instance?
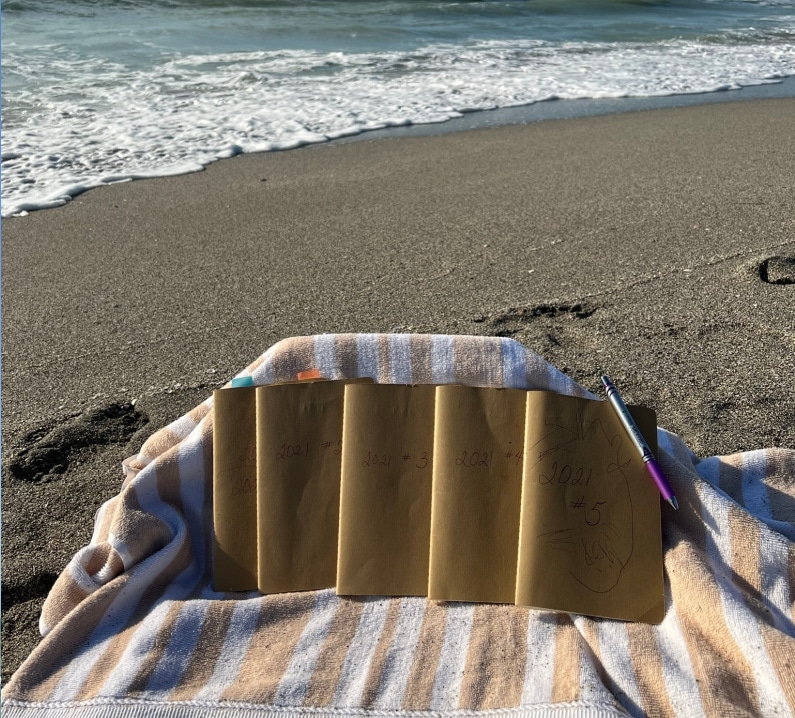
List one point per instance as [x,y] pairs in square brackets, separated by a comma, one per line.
[103,91]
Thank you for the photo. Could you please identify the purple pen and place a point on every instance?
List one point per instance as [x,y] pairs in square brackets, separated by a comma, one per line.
[637,438]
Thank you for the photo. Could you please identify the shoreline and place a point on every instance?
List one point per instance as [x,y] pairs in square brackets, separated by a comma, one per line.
[541,111]
[567,109]
[657,247]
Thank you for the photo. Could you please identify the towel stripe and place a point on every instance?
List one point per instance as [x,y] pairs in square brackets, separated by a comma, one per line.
[165,663]
[566,682]
[619,666]
[442,360]
[402,650]
[360,652]
[347,358]
[421,358]
[400,359]
[426,658]
[755,495]
[715,658]
[182,426]
[326,356]
[281,622]
[125,613]
[232,636]
[540,659]
[741,537]
[263,373]
[114,671]
[478,361]
[367,354]
[384,359]
[103,520]
[144,641]
[648,668]
[536,372]
[293,685]
[452,658]
[158,444]
[594,680]
[776,579]
[376,671]
[680,679]
[495,670]
[780,467]
[328,670]
[743,692]
[40,679]
[514,365]
[201,663]
[295,355]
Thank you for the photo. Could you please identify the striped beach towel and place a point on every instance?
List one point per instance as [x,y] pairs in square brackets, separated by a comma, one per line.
[133,627]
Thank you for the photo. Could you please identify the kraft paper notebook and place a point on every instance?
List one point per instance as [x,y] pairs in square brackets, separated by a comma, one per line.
[590,538]
[477,486]
[385,502]
[299,451]
[234,489]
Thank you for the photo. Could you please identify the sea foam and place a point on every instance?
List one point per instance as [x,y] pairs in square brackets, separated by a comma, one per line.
[101,122]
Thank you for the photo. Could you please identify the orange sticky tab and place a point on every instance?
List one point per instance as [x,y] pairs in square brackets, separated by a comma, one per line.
[309,374]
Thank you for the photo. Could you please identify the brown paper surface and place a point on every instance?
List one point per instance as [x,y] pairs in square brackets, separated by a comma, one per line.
[476,493]
[299,448]
[590,537]
[234,490]
[385,502]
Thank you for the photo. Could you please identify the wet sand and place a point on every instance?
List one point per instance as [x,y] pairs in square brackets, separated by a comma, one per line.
[655,246]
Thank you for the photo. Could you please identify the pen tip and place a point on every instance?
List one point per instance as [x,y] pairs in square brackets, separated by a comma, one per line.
[674,502]
[605,379]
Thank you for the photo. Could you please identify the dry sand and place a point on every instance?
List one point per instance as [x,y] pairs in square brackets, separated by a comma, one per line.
[657,246]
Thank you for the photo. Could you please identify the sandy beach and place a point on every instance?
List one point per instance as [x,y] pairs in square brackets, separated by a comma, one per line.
[655,246]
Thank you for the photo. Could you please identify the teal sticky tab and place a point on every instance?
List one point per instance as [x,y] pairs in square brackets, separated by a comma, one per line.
[239,381]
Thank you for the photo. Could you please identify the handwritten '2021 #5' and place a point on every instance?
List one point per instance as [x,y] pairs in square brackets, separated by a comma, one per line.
[564,475]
